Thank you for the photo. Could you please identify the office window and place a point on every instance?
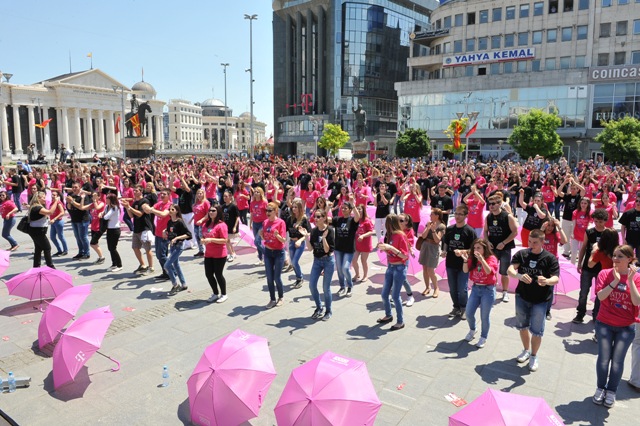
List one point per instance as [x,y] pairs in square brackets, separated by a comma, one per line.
[509,40]
[495,68]
[446,47]
[606,3]
[511,13]
[582,31]
[538,8]
[438,50]
[537,37]
[483,43]
[552,36]
[603,59]
[495,42]
[522,66]
[446,22]
[580,61]
[497,14]
[482,70]
[605,30]
[457,20]
[471,44]
[468,71]
[535,65]
[471,18]
[636,27]
[567,34]
[523,39]
[621,28]
[568,5]
[623,1]
[565,62]
[484,16]
[508,67]
[524,10]
[635,57]
[584,4]
[619,58]
[553,6]
[457,46]
[550,64]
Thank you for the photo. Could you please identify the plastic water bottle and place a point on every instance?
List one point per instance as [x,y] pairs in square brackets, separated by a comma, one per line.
[165,376]
[1,385]
[12,383]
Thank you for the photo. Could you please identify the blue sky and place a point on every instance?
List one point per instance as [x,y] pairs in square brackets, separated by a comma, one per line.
[180,45]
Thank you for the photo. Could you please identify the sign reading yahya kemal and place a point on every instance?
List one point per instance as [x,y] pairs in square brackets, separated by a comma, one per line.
[491,56]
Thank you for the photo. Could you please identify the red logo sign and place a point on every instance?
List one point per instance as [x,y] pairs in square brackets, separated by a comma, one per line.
[306,103]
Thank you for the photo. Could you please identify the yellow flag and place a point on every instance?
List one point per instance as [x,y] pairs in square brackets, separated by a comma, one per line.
[90,55]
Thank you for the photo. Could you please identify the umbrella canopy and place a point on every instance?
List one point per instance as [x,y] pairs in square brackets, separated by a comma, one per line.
[414,266]
[59,312]
[76,345]
[231,379]
[40,283]
[501,408]
[4,261]
[246,234]
[328,390]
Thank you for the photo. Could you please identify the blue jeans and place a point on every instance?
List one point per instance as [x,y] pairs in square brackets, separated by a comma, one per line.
[6,231]
[295,253]
[128,221]
[57,232]
[172,265]
[162,250]
[326,264]
[458,281]
[273,261]
[482,296]
[613,344]
[81,233]
[397,201]
[393,279]
[530,315]
[197,233]
[16,200]
[257,226]
[343,266]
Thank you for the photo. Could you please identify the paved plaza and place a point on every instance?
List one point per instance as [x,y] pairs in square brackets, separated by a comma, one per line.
[412,369]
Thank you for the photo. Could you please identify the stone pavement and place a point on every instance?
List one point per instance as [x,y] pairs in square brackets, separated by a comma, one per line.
[411,369]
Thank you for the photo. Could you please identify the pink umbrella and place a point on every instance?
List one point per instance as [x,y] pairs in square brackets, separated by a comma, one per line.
[231,380]
[501,408]
[78,343]
[441,269]
[24,197]
[59,312]
[4,261]
[569,276]
[246,234]
[39,283]
[414,266]
[328,390]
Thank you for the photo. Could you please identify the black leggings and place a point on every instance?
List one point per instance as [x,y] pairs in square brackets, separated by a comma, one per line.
[243,216]
[41,244]
[113,236]
[213,267]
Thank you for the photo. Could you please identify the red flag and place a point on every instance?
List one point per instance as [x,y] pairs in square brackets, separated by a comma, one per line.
[117,130]
[44,123]
[136,124]
[472,130]
[456,142]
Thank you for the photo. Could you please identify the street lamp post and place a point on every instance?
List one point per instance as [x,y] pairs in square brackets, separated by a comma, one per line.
[122,123]
[251,18]
[578,142]
[4,131]
[226,122]
[315,122]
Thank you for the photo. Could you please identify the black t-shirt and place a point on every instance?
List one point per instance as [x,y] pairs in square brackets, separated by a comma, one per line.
[345,228]
[533,221]
[317,245]
[463,190]
[335,188]
[176,229]
[382,209]
[78,215]
[499,230]
[631,220]
[17,179]
[457,239]
[229,216]
[293,224]
[443,203]
[570,204]
[144,222]
[34,213]
[185,200]
[534,265]
[592,236]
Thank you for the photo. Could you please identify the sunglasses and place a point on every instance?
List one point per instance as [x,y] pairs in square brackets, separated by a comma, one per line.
[402,220]
[319,217]
[212,211]
[269,210]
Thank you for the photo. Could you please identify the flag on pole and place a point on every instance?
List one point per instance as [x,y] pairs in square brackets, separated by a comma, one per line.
[136,124]
[117,129]
[44,123]
[472,130]
[90,55]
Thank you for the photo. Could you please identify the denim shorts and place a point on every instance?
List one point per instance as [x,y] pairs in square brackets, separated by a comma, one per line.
[504,257]
[530,315]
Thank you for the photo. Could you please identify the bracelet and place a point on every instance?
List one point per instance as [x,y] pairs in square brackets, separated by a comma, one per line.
[612,288]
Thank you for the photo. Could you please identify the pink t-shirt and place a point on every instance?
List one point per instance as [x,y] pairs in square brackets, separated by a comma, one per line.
[550,242]
[412,207]
[258,211]
[617,309]
[268,233]
[242,202]
[479,276]
[200,210]
[213,250]
[581,223]
[161,222]
[475,218]
[400,242]
[366,245]
[547,194]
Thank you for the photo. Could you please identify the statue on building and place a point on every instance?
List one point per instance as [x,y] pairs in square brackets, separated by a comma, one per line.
[361,122]
[136,122]
[134,104]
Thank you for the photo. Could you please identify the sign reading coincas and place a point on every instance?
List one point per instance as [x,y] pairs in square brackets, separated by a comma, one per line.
[622,72]
[491,56]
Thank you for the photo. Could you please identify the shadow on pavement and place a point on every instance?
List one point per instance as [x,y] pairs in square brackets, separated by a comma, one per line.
[184,412]
[460,348]
[366,332]
[72,390]
[506,370]
[24,308]
[295,324]
[46,352]
[574,346]
[246,311]
[436,322]
[184,305]
[583,412]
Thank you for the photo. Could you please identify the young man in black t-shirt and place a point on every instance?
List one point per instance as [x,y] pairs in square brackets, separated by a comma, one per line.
[443,202]
[571,201]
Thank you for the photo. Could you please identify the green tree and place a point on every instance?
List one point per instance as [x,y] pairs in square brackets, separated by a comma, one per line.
[620,140]
[333,138]
[536,134]
[413,143]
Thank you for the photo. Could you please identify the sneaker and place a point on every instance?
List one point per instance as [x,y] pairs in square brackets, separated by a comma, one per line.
[470,335]
[463,314]
[280,302]
[110,268]
[183,287]
[327,316]
[64,253]
[199,254]
[298,283]
[14,248]
[100,261]
[162,277]
[342,291]
[454,312]
[598,397]
[317,314]
[409,302]
[116,269]
[174,290]
[213,298]
[85,257]
[610,399]
[259,263]
[549,316]
[579,319]
[271,304]
[77,256]
[229,258]
[58,254]
[150,270]
[222,299]
[505,296]
[140,269]
[566,255]
[349,294]
[289,268]
[481,342]
[533,363]
[524,356]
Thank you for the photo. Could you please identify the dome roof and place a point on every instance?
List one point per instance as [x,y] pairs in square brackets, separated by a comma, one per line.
[211,102]
[247,115]
[143,86]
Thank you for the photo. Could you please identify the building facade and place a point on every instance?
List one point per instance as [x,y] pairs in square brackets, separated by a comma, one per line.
[333,55]
[577,58]
[83,108]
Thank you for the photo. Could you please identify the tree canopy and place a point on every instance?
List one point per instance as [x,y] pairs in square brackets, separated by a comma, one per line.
[535,134]
[413,143]
[333,138]
[620,140]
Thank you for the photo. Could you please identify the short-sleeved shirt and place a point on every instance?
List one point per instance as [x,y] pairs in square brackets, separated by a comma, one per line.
[144,222]
[617,310]
[541,264]
[219,230]
[479,276]
[457,238]
[345,229]
[631,221]
[268,233]
[316,242]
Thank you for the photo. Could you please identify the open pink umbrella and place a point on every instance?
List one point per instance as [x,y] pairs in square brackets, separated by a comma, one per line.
[4,261]
[246,234]
[59,312]
[498,408]
[78,343]
[328,390]
[40,283]
[230,381]
[414,266]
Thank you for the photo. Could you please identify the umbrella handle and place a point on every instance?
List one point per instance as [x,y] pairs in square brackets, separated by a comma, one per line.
[117,368]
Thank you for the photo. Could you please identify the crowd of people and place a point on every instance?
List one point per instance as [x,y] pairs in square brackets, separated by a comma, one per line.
[342,211]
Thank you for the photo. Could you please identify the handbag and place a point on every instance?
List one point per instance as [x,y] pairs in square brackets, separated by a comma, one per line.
[419,242]
[23,225]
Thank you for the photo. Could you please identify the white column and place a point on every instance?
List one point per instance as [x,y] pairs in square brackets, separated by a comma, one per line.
[77,131]
[150,128]
[100,132]
[16,129]
[47,135]
[160,131]
[111,132]
[4,126]
[64,128]
[32,124]
[89,132]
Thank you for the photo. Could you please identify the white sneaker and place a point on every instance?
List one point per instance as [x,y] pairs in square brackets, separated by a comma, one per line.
[259,263]
[222,299]
[116,269]
[533,363]
[524,356]
[470,335]
[505,296]
[481,342]
[213,298]
[409,302]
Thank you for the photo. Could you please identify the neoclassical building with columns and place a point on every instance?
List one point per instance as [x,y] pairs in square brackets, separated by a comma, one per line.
[83,108]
